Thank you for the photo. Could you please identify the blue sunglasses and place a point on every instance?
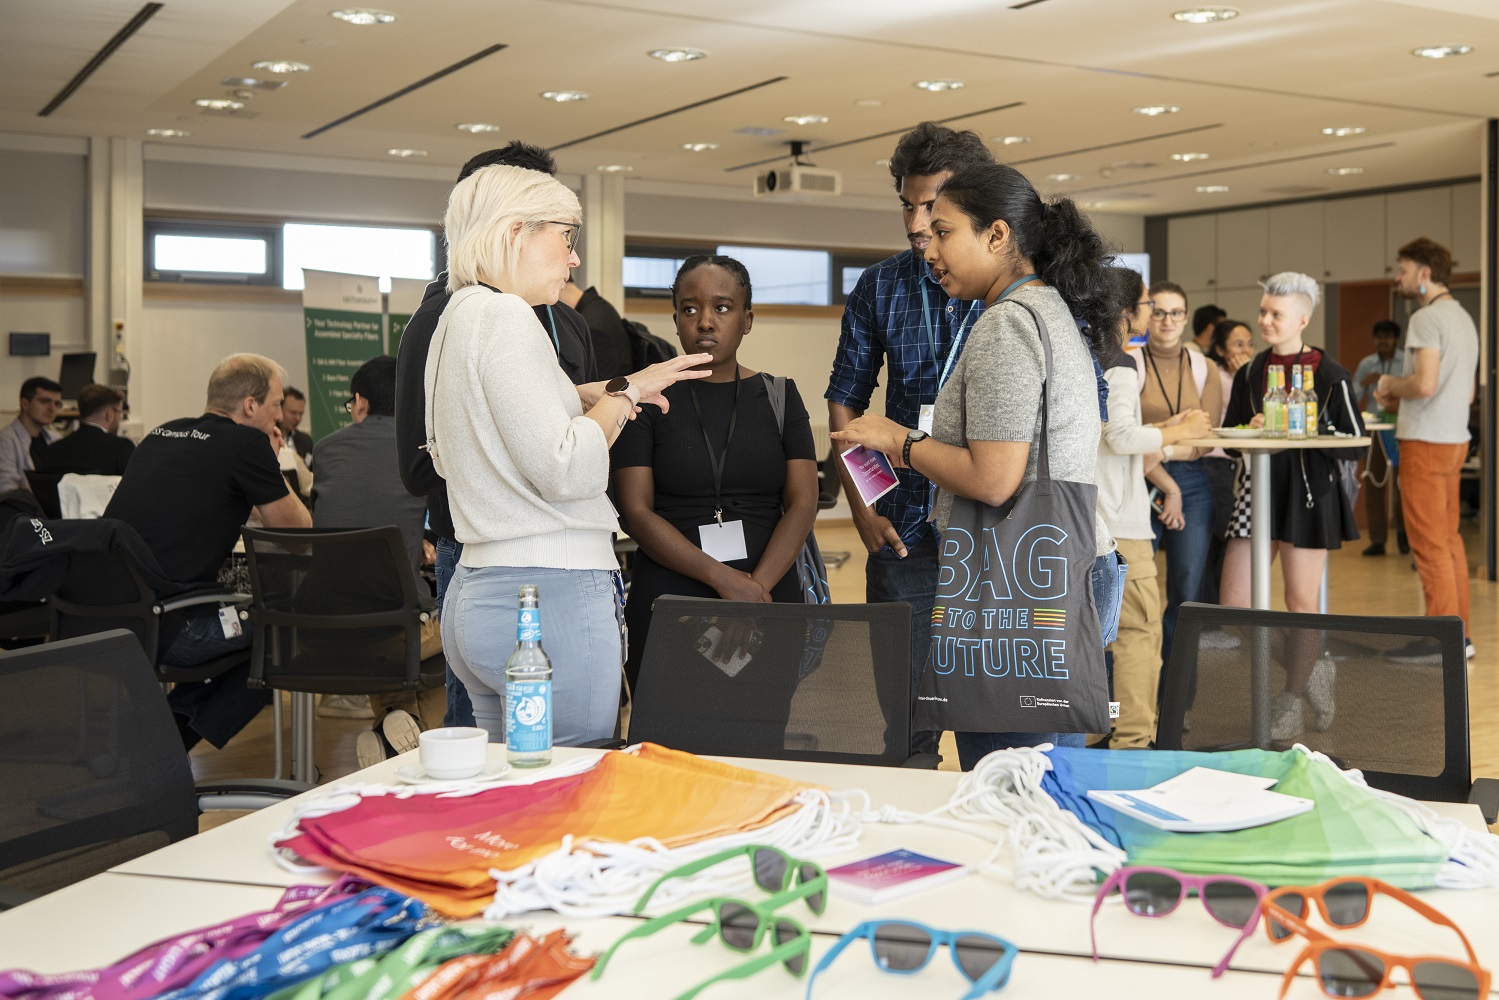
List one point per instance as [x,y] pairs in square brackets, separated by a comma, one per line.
[905,948]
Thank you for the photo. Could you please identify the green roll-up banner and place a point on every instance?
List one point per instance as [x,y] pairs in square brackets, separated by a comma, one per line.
[341,315]
[405,296]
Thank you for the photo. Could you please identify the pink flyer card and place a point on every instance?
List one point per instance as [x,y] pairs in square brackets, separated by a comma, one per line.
[871,471]
[890,875]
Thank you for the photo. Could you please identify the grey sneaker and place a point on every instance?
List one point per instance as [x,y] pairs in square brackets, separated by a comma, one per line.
[401,731]
[370,749]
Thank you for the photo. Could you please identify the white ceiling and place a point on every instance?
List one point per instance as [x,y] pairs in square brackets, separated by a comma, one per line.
[1254,92]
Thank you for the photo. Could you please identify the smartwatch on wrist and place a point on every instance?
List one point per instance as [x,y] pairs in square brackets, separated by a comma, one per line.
[911,438]
[620,386]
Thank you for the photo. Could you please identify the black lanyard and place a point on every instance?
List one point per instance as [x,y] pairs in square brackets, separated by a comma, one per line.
[718,459]
[1181,362]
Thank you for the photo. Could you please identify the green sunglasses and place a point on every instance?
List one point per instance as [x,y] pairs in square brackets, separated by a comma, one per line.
[774,870]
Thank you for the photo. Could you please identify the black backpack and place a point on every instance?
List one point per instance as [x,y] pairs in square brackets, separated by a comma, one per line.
[646,348]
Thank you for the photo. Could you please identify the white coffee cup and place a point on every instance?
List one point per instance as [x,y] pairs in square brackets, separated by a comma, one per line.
[453,752]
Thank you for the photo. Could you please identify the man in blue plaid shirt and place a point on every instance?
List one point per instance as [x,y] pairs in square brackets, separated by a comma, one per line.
[897,311]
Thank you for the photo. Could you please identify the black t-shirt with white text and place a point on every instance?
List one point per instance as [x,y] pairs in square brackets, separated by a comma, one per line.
[190,486]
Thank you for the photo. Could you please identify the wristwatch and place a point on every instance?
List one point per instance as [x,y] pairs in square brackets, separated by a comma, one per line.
[620,386]
[911,438]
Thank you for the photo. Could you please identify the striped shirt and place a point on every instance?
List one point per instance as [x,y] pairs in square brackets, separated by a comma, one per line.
[887,316]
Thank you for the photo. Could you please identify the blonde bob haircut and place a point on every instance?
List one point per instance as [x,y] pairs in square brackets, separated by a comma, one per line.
[483,210]
[240,376]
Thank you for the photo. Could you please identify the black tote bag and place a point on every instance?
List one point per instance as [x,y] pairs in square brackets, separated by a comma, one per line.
[1015,635]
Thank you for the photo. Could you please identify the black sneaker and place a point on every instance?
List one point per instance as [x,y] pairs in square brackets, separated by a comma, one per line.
[1375,549]
[1420,651]
[1405,545]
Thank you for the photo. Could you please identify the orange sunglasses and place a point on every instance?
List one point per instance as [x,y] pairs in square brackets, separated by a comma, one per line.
[1355,971]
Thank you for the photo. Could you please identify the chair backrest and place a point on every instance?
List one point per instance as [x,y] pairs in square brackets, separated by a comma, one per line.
[44,488]
[104,591]
[91,764]
[823,682]
[1271,679]
[334,611]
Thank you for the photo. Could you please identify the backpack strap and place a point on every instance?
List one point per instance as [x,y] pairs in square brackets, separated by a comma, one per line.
[775,388]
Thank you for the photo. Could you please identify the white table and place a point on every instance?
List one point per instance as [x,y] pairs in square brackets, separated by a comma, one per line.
[238,853]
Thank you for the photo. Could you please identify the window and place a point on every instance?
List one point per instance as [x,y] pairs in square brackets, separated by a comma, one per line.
[650,277]
[387,253]
[195,251]
[786,277]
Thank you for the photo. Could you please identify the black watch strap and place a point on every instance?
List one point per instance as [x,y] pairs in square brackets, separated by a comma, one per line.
[911,438]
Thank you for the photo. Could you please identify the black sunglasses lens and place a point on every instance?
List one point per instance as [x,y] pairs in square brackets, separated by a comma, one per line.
[1444,981]
[737,925]
[786,932]
[977,954]
[1229,902]
[1350,972]
[902,947]
[817,901]
[1293,903]
[770,869]
[1151,894]
[1347,903]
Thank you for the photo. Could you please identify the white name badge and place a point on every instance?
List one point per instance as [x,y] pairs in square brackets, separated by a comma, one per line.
[229,622]
[724,542]
[924,422]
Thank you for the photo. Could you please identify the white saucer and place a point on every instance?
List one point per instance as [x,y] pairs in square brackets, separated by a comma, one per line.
[412,774]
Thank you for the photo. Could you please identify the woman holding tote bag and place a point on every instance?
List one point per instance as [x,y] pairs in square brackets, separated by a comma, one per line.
[1017,655]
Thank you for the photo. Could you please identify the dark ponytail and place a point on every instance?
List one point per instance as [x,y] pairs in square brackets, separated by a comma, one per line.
[1067,252]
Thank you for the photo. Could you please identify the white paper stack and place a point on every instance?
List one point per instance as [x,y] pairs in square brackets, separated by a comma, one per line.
[1204,800]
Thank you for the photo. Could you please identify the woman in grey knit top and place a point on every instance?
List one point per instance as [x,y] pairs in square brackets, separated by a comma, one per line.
[993,238]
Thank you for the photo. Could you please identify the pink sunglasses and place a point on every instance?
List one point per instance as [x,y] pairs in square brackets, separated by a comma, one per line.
[1157,892]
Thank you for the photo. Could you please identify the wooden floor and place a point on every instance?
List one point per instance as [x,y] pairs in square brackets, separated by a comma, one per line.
[1379,586]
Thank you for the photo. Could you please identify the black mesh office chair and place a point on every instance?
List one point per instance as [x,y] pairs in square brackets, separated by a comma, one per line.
[44,488]
[821,682]
[1270,679]
[334,611]
[92,767]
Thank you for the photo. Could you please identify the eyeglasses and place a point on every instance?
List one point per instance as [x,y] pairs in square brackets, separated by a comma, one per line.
[741,926]
[774,871]
[1176,314]
[574,228]
[1157,892]
[1348,971]
[349,405]
[905,948]
[1150,303]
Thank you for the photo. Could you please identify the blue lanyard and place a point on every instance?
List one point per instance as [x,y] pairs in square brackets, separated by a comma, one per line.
[552,322]
[957,347]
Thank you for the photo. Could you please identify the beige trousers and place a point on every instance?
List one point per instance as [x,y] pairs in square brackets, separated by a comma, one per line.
[1137,649]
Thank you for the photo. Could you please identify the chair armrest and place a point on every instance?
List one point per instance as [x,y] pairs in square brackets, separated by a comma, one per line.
[609,744]
[246,793]
[1485,795]
[926,761]
[201,597]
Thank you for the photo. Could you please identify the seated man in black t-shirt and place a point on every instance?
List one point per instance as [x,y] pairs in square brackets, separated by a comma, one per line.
[189,487]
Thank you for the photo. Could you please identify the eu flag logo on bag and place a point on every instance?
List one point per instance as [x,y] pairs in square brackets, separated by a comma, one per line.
[1051,619]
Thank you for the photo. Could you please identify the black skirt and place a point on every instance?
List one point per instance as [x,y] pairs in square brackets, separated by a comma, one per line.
[1308,507]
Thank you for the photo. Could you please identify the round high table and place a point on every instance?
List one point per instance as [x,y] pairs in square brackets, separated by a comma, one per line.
[1259,451]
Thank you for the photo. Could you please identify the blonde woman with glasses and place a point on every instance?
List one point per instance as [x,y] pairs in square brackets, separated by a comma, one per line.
[526,454]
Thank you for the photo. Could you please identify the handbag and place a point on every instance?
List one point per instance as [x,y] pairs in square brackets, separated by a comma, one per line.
[1015,634]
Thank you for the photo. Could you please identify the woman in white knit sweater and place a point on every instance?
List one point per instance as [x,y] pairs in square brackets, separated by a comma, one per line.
[526,454]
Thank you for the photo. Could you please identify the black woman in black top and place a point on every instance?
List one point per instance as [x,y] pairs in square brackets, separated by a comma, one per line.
[715,455]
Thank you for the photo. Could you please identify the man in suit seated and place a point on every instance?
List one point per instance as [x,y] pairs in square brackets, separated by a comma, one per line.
[95,448]
[187,490]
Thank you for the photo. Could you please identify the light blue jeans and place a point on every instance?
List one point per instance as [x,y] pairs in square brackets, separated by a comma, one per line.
[580,632]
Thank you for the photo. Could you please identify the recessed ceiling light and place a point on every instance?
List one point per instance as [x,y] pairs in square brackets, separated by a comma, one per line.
[1206,15]
[677,55]
[805,119]
[219,104]
[868,102]
[254,82]
[1064,177]
[1213,189]
[699,147]
[564,96]
[1188,157]
[1131,165]
[406,154]
[754,130]
[1345,171]
[1151,110]
[615,168]
[168,133]
[363,15]
[1345,130]
[937,86]
[1010,140]
[1441,51]
[476,127]
[280,66]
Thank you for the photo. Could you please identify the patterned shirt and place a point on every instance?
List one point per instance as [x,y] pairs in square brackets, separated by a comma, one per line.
[887,316]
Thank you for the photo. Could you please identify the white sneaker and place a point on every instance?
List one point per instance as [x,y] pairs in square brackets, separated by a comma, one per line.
[1287,720]
[1319,691]
[1217,639]
[369,748]
[345,706]
[402,732]
[1468,651]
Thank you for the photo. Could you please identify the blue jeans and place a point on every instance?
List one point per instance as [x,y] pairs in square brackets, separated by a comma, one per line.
[579,630]
[219,708]
[888,577]
[974,747]
[460,711]
[1186,550]
[1108,592]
